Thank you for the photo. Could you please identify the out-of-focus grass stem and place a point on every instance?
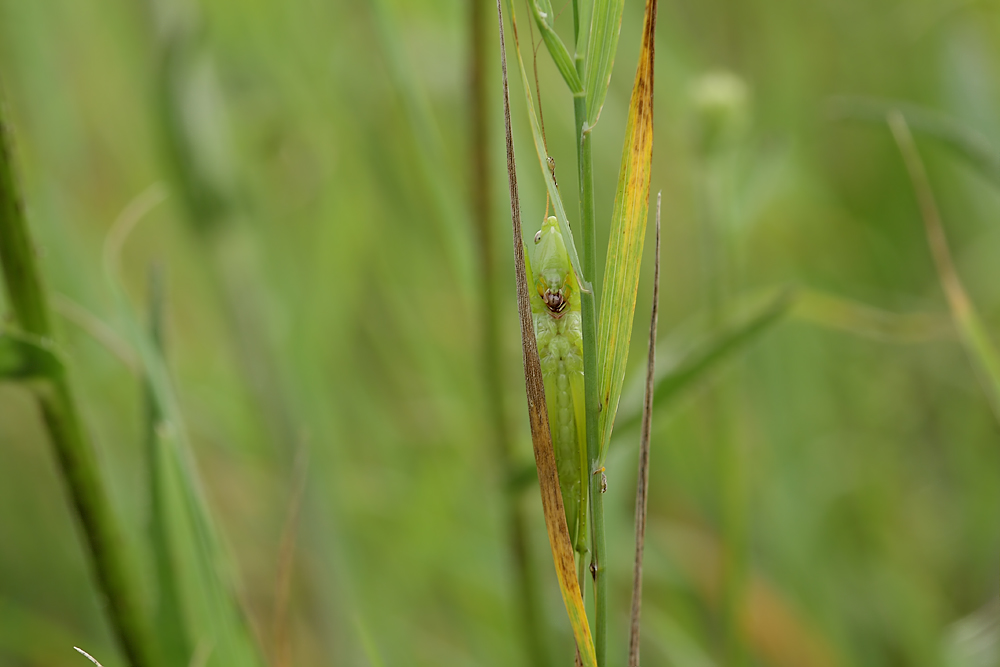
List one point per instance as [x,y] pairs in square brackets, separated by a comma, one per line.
[168,615]
[978,345]
[102,531]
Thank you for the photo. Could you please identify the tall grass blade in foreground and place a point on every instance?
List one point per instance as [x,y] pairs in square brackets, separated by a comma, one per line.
[976,340]
[642,485]
[548,477]
[628,226]
[111,561]
[614,325]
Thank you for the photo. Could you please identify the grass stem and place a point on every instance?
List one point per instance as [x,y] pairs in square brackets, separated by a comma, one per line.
[102,532]
[588,304]
[642,485]
[978,345]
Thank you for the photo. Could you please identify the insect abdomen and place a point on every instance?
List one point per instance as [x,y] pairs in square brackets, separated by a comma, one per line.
[560,353]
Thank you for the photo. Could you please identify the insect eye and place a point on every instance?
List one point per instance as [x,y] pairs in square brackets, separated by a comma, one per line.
[538,236]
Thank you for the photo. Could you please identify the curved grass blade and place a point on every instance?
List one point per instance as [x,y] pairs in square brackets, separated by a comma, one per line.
[976,340]
[87,656]
[543,162]
[711,352]
[969,144]
[837,312]
[542,10]
[548,477]
[628,227]
[602,44]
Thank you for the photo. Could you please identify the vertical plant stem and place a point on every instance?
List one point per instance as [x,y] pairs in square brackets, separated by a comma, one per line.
[167,615]
[642,485]
[588,304]
[530,613]
[78,466]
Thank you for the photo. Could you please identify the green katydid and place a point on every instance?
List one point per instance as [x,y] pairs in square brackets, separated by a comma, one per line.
[555,308]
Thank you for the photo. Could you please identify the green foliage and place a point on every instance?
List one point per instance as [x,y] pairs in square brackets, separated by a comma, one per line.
[872,471]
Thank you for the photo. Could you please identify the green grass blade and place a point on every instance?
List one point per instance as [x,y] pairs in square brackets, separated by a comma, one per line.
[550,184]
[210,609]
[368,644]
[168,614]
[560,54]
[681,373]
[541,438]
[628,230]
[860,319]
[602,44]
[110,557]
[26,357]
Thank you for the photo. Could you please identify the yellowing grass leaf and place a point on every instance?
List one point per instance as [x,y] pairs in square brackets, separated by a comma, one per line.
[543,161]
[541,439]
[628,229]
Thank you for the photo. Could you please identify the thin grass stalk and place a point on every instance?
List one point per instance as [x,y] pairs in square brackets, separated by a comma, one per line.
[87,656]
[642,484]
[588,307]
[980,349]
[532,618]
[109,558]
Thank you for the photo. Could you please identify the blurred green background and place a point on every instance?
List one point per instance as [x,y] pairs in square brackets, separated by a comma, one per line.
[322,307]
